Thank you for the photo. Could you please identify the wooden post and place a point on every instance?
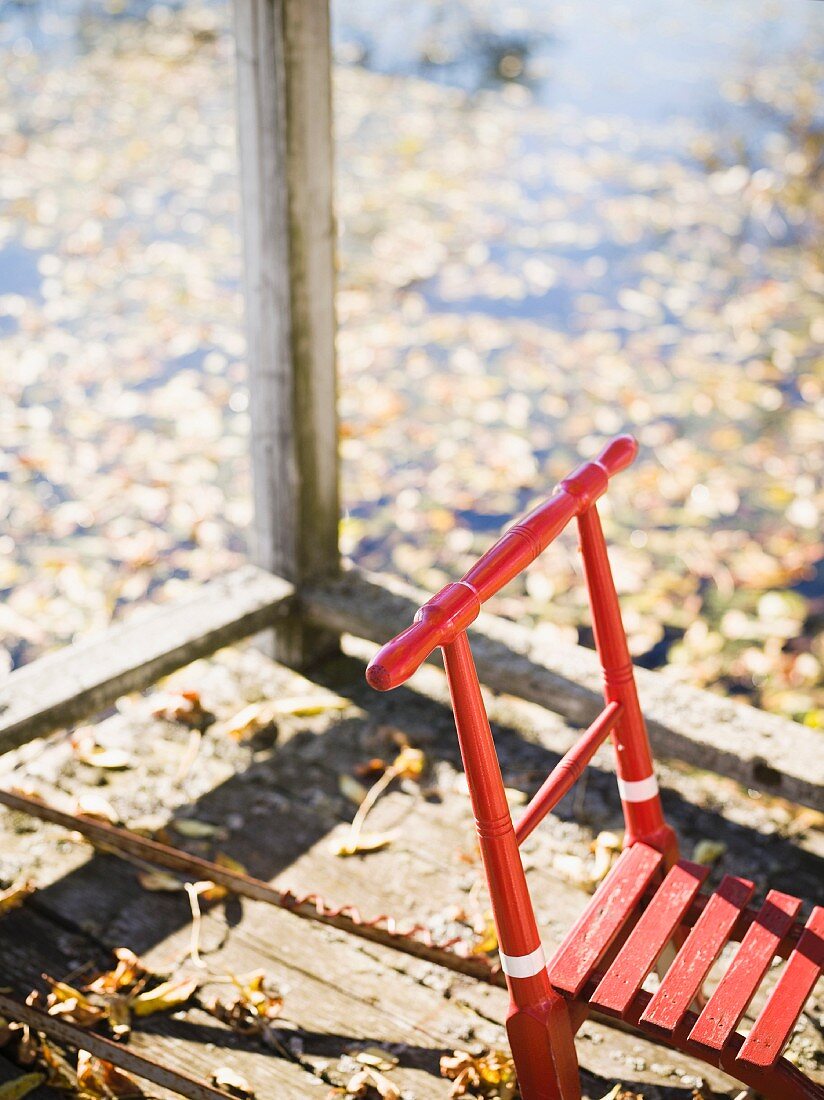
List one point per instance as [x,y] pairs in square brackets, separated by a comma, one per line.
[284,102]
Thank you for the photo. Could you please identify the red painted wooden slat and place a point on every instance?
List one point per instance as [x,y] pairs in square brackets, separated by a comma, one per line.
[649,937]
[728,1003]
[777,1018]
[602,920]
[697,954]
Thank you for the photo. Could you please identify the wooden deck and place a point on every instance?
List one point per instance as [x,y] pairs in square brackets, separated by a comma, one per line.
[276,805]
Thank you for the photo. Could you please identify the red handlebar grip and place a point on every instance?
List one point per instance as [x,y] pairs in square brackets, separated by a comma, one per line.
[443,617]
[618,454]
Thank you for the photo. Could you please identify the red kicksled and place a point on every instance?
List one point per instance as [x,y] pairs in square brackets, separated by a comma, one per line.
[651,898]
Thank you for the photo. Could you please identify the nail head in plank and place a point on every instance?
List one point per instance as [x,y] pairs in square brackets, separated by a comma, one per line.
[602,920]
[698,953]
[776,1020]
[649,937]
[734,992]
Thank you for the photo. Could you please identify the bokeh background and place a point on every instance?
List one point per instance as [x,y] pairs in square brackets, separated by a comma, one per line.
[558,220]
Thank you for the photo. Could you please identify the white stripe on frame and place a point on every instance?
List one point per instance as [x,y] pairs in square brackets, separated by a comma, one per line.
[523,966]
[640,790]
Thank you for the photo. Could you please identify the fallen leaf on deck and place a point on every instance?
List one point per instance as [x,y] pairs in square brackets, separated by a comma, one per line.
[184,707]
[92,804]
[489,1075]
[195,830]
[235,1083]
[409,763]
[127,971]
[257,1004]
[99,757]
[487,941]
[72,1005]
[21,1086]
[304,706]
[708,851]
[159,882]
[351,789]
[366,842]
[97,1078]
[366,1079]
[165,996]
[376,1058]
[248,722]
[15,896]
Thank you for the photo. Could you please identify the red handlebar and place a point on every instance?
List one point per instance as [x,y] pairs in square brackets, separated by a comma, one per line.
[457,605]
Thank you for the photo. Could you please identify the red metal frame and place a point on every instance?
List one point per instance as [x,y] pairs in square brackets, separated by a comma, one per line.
[549,1003]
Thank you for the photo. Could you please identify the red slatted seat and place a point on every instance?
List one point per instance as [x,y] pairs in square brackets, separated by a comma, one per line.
[608,912]
[647,940]
[695,959]
[777,1018]
[736,989]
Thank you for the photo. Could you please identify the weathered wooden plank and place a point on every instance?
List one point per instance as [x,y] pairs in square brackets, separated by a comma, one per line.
[286,148]
[72,683]
[186,1047]
[707,731]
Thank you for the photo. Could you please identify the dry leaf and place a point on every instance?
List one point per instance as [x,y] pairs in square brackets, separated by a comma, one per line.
[159,882]
[248,722]
[365,842]
[366,1079]
[97,1078]
[194,829]
[185,707]
[15,896]
[376,1058]
[163,997]
[487,941]
[351,789]
[72,1005]
[304,706]
[118,1016]
[99,757]
[92,804]
[256,1005]
[708,851]
[235,1083]
[127,971]
[21,1086]
[409,763]
[487,1075]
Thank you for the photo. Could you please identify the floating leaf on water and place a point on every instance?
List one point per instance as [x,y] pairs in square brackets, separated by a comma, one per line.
[167,995]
